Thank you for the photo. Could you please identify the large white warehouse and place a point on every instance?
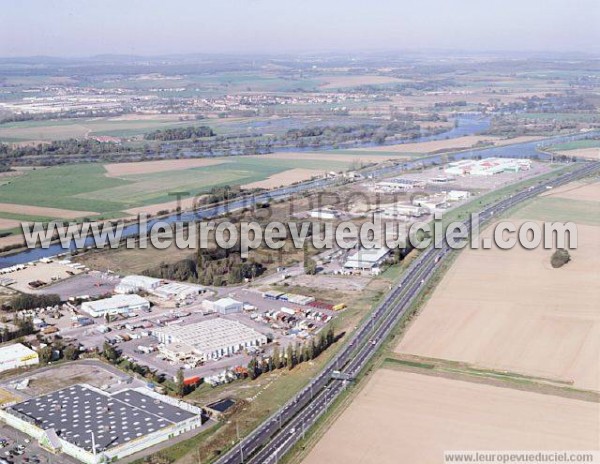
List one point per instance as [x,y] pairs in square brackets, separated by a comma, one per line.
[367,258]
[135,283]
[17,355]
[118,304]
[211,339]
[228,306]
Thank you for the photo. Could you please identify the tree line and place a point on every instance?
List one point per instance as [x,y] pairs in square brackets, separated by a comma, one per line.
[180,133]
[292,356]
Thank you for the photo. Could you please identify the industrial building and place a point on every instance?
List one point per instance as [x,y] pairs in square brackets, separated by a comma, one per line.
[487,166]
[17,355]
[324,213]
[178,291]
[367,259]
[457,195]
[399,211]
[135,283]
[94,426]
[210,339]
[398,184]
[431,202]
[228,306]
[118,304]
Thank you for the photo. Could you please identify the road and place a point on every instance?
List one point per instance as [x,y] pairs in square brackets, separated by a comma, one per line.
[278,434]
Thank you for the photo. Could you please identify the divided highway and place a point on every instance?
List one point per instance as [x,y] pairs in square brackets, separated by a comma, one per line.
[278,434]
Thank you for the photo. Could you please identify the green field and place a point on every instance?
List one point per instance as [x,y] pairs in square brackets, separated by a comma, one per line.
[561,116]
[87,188]
[576,144]
[49,130]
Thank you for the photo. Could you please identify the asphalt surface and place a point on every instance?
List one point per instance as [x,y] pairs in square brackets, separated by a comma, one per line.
[278,434]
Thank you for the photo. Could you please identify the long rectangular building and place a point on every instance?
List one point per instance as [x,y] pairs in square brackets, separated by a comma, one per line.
[96,427]
[211,339]
[118,304]
[17,355]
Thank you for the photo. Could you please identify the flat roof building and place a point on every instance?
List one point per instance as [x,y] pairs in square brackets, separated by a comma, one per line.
[367,258]
[17,355]
[135,283]
[228,306]
[95,426]
[118,304]
[210,339]
[178,291]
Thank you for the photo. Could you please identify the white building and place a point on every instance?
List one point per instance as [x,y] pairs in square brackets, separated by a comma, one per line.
[399,211]
[228,306]
[210,339]
[17,355]
[457,195]
[487,166]
[178,291]
[367,259]
[118,304]
[135,283]
[324,213]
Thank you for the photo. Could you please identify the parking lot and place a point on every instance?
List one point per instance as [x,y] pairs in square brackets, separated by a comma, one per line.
[19,448]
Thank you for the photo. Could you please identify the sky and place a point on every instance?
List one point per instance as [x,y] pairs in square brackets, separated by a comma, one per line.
[74,28]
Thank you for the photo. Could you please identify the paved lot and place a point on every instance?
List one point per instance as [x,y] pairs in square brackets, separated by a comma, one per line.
[32,453]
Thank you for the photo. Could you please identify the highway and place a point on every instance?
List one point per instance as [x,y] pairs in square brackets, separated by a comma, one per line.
[279,433]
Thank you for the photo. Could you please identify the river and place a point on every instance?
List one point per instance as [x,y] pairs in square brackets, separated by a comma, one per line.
[466,126]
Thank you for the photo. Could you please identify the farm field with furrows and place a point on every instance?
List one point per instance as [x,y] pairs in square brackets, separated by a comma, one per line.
[547,325]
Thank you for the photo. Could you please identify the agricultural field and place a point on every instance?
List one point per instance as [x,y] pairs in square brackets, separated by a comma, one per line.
[46,131]
[589,149]
[341,81]
[409,417]
[109,191]
[547,325]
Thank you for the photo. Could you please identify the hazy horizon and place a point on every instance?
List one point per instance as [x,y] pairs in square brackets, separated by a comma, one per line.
[83,28]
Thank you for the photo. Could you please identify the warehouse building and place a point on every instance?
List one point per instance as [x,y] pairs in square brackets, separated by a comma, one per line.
[135,283]
[178,291]
[367,259]
[94,426]
[211,339]
[17,355]
[324,213]
[228,306]
[487,166]
[118,304]
[399,211]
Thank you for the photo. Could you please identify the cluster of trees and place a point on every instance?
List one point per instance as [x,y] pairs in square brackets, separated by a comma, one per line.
[68,352]
[184,270]
[113,356]
[60,151]
[560,258]
[180,133]
[28,301]
[24,327]
[293,355]
[212,267]
[362,133]
[219,267]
